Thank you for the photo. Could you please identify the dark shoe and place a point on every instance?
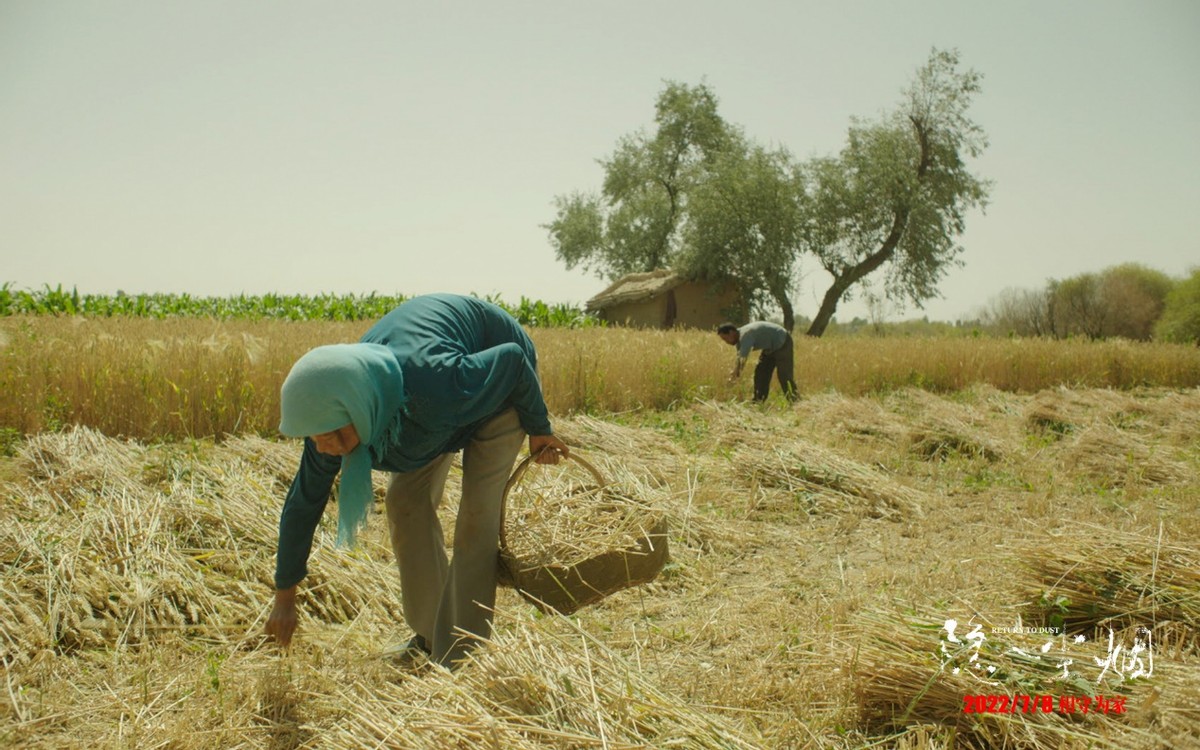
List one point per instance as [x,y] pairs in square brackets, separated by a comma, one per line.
[418,643]
[413,654]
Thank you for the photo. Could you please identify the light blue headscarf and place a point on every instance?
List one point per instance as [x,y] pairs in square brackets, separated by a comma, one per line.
[337,385]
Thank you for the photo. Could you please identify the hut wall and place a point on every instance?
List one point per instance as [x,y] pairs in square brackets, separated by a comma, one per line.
[647,313]
[701,306]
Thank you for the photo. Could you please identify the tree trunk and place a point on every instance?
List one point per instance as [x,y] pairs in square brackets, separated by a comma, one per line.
[852,275]
[789,315]
[779,294]
[828,307]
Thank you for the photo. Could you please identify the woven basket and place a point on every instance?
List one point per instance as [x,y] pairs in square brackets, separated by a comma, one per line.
[565,586]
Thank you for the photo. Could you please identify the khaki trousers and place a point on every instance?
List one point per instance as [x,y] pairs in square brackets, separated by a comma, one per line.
[449,601]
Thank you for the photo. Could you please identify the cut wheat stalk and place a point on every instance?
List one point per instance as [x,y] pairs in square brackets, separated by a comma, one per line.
[991,687]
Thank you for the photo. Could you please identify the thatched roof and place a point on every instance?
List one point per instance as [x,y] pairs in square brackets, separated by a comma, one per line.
[635,287]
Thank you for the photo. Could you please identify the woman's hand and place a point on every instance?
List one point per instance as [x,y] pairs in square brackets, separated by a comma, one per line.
[547,449]
[282,622]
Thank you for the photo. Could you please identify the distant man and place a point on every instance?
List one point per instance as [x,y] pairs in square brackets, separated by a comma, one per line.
[775,345]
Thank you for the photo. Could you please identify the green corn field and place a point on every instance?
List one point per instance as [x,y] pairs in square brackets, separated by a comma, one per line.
[334,307]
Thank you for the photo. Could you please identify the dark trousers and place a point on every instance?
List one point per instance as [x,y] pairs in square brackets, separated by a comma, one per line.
[779,361]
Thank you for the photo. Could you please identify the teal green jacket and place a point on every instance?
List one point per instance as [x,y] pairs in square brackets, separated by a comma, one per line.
[464,361]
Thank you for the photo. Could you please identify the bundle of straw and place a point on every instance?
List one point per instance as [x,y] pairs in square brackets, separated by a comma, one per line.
[856,416]
[942,436]
[540,682]
[133,590]
[1065,410]
[942,427]
[1175,415]
[830,483]
[908,673]
[649,453]
[1115,458]
[120,544]
[1100,577]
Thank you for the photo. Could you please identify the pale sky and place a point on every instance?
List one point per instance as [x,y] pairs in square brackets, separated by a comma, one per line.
[221,147]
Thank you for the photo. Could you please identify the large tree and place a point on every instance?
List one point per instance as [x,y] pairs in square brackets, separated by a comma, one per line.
[1135,297]
[895,199]
[744,227]
[635,224]
[698,197]
[1077,306]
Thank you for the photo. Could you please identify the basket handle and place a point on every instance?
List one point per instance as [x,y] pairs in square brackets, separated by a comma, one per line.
[520,472]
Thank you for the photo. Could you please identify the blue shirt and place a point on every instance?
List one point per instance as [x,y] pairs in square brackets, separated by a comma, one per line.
[464,361]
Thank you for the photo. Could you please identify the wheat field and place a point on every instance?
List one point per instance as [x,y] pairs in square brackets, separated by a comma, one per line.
[196,377]
[817,554]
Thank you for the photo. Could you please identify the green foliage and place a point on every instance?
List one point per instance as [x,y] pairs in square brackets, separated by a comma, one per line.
[745,227]
[637,222]
[916,328]
[1076,306]
[700,198]
[538,314]
[349,307]
[895,199]
[1180,321]
[695,197]
[1135,297]
[10,439]
[1122,301]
